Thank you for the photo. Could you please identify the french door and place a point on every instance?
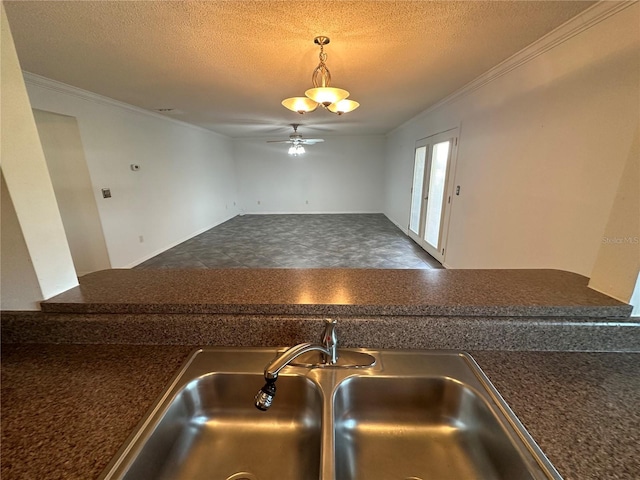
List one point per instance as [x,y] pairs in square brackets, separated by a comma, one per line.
[433,168]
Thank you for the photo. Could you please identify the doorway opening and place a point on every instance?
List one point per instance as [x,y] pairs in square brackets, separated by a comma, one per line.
[74,191]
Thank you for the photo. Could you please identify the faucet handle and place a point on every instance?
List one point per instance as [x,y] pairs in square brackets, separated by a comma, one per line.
[329,340]
[329,334]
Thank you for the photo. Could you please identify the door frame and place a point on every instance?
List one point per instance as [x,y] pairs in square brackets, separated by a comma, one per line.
[452,135]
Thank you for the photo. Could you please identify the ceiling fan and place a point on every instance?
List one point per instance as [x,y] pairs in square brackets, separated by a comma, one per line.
[297,142]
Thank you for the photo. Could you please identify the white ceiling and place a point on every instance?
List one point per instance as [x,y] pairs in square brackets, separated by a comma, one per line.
[226,65]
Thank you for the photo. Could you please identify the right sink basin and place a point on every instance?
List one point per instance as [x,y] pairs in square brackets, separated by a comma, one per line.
[429,416]
[419,428]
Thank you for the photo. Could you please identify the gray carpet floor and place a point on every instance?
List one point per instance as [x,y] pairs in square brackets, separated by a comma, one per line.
[298,241]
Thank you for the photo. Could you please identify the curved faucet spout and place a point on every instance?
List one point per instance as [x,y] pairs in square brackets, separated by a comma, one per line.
[264,397]
[271,371]
[328,348]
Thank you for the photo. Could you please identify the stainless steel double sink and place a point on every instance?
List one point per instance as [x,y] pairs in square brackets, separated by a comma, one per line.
[413,415]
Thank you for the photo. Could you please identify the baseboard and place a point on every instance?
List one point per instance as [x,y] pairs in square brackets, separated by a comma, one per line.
[350,212]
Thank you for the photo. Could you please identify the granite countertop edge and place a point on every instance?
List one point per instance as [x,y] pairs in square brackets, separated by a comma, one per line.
[605,312]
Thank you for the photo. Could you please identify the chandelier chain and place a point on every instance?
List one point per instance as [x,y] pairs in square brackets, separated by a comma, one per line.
[321,76]
[323,56]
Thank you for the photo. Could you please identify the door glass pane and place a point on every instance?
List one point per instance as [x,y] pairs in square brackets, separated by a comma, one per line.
[437,180]
[416,192]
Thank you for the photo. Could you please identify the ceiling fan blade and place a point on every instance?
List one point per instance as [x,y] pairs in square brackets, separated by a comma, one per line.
[311,141]
[279,141]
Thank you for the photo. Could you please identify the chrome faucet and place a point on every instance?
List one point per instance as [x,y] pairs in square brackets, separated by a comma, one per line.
[328,348]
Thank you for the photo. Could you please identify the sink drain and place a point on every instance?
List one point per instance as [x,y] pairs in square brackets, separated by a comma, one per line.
[242,476]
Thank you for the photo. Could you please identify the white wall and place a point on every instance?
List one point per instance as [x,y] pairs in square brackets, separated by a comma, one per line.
[541,152]
[340,175]
[32,201]
[186,183]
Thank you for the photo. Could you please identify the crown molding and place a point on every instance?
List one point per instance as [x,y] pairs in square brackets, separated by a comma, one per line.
[54,85]
[572,27]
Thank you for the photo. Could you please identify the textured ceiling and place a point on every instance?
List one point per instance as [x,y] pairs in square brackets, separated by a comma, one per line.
[227,65]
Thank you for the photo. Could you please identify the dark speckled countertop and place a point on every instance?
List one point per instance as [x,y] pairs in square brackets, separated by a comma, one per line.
[533,293]
[446,309]
[66,409]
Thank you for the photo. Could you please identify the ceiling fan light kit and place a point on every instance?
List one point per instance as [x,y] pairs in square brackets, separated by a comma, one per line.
[331,98]
[296,150]
[297,141]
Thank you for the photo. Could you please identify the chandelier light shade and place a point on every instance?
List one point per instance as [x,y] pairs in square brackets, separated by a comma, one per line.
[343,106]
[300,104]
[325,96]
[331,98]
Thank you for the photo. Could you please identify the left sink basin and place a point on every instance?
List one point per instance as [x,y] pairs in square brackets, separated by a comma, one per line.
[206,427]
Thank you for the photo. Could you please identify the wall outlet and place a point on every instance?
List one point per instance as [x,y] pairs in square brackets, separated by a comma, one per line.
[106,193]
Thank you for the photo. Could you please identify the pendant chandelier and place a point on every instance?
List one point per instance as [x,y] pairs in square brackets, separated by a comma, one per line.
[331,98]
